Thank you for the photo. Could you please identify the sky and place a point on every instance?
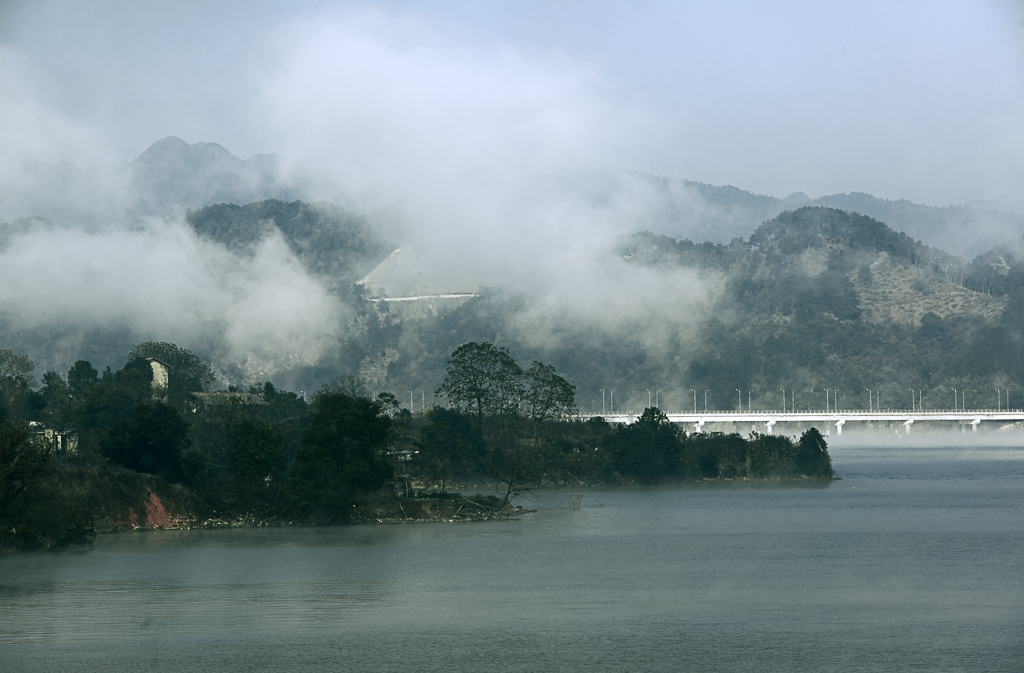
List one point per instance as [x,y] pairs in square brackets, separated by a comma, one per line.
[917,100]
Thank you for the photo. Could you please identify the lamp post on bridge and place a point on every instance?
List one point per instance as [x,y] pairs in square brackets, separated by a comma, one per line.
[694,391]
[740,396]
[954,400]
[705,401]
[657,401]
[602,403]
[613,401]
[783,390]
[869,399]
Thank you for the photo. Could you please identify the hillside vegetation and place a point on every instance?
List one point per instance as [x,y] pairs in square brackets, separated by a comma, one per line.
[814,299]
[331,242]
[820,298]
[801,298]
[720,213]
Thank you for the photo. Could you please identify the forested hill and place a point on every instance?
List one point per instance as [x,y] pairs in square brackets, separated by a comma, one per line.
[786,293]
[722,212]
[331,242]
[845,233]
[815,298]
[820,299]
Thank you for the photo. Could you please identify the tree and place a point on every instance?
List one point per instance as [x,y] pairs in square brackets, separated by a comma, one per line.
[154,441]
[338,460]
[112,399]
[55,390]
[24,465]
[448,444]
[648,450]
[258,451]
[770,456]
[58,414]
[546,395]
[15,365]
[216,419]
[16,381]
[811,457]
[286,410]
[389,403]
[81,377]
[349,384]
[39,508]
[483,379]
[712,455]
[257,458]
[515,468]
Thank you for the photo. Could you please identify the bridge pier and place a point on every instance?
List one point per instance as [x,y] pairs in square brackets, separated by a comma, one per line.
[907,423]
[839,427]
[768,426]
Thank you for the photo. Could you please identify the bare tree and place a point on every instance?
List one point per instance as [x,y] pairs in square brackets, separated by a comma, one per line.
[15,366]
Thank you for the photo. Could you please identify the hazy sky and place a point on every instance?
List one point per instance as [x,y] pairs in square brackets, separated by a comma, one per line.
[918,100]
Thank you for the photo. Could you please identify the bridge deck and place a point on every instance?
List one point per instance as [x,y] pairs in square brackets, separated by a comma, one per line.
[906,417]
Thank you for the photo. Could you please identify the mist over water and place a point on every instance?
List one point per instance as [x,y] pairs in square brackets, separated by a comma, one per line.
[913,561]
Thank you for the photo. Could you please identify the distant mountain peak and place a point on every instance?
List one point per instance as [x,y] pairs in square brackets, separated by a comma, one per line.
[174,150]
[169,141]
[163,147]
[796,200]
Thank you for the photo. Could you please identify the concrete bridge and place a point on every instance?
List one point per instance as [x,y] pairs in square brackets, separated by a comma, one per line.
[765,421]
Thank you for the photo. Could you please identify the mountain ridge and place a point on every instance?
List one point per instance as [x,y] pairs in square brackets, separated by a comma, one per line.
[813,296]
[724,211]
[171,176]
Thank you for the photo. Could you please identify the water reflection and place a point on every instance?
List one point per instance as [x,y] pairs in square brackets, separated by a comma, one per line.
[912,561]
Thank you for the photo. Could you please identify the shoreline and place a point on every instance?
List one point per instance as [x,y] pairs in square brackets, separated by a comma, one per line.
[431,508]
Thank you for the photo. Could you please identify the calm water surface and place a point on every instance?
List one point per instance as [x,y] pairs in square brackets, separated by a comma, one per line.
[913,562]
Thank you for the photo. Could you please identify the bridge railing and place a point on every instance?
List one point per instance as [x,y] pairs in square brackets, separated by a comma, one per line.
[816,412]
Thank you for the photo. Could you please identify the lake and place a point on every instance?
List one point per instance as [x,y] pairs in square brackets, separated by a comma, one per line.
[914,561]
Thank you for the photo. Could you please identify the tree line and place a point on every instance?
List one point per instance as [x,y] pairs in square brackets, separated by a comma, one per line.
[89,443]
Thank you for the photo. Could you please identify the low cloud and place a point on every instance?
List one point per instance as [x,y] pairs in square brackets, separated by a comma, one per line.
[508,165]
[253,314]
[32,131]
[502,166]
